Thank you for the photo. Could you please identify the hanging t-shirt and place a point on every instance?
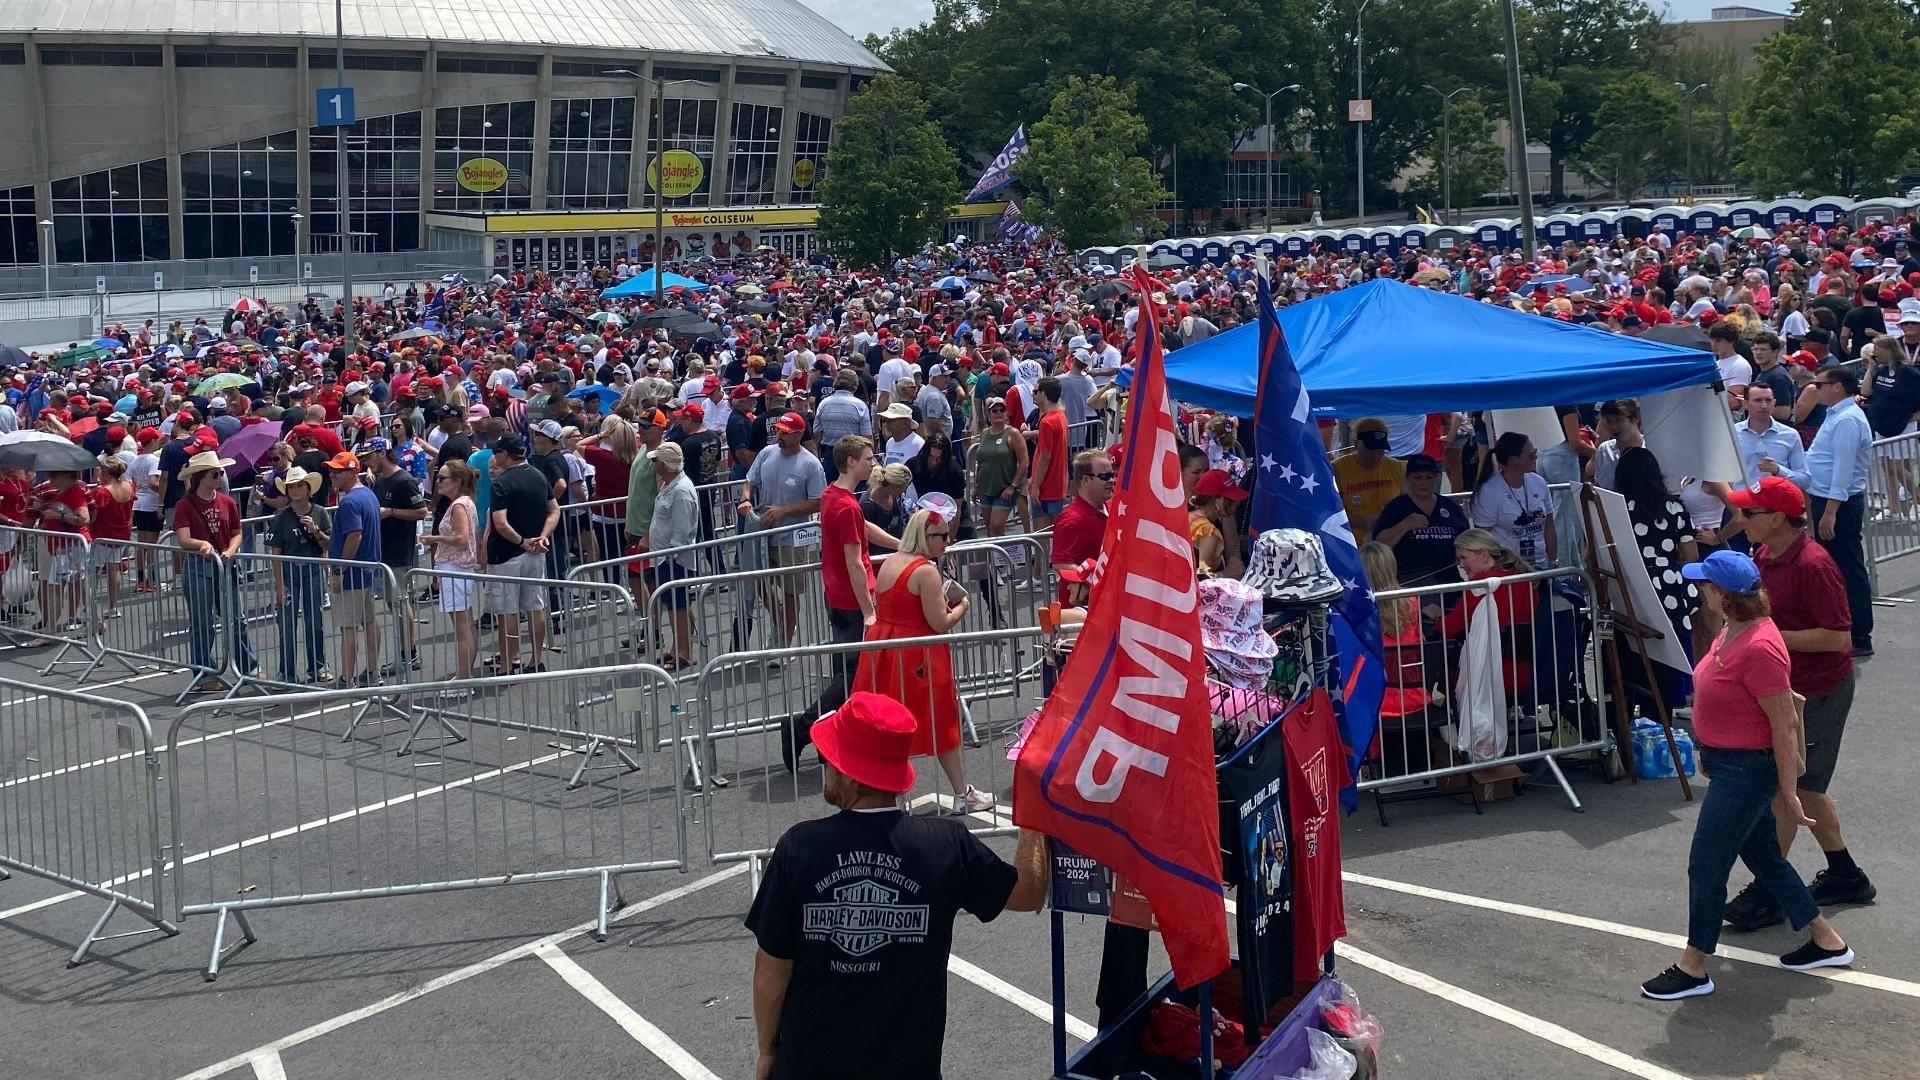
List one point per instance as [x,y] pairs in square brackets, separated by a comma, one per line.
[1516,516]
[1316,771]
[863,904]
[1253,832]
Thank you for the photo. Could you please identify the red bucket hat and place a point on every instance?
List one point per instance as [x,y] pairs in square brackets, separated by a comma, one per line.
[870,740]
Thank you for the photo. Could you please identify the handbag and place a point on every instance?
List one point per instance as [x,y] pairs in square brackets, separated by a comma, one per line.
[1800,734]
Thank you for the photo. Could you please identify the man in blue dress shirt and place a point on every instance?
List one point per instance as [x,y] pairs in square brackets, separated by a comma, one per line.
[1837,466]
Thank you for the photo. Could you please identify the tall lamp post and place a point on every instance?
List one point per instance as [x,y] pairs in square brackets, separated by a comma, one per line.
[342,203]
[1446,149]
[1516,103]
[1359,127]
[659,173]
[46,258]
[1268,99]
[1686,93]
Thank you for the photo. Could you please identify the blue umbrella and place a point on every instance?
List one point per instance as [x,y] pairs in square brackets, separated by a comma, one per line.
[110,343]
[14,356]
[951,281]
[607,394]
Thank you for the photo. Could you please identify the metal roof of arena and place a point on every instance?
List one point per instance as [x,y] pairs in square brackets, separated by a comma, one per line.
[776,29]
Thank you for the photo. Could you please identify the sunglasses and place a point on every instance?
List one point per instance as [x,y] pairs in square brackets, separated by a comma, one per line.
[937,535]
[1107,476]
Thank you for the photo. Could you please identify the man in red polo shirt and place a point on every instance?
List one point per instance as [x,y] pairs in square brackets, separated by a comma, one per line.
[1081,526]
[1809,601]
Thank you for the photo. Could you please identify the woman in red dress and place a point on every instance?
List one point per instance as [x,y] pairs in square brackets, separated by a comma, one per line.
[912,601]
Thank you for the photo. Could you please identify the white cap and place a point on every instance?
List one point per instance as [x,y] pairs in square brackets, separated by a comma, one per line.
[216,403]
[549,428]
[356,387]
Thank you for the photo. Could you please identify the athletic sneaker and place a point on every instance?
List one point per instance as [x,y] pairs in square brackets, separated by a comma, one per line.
[1674,984]
[1811,956]
[972,801]
[1754,909]
[1833,888]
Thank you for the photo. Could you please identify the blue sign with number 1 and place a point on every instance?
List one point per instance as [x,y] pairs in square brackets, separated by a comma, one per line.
[333,106]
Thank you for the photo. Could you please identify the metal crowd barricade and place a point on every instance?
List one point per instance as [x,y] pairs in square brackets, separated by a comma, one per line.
[79,802]
[172,614]
[598,617]
[292,815]
[743,700]
[1893,503]
[284,601]
[1434,725]
[776,607]
[50,576]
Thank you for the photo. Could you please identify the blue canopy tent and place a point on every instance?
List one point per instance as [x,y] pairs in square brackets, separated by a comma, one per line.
[1385,348]
[641,284]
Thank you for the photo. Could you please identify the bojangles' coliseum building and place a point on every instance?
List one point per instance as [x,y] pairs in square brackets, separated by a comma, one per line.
[188,129]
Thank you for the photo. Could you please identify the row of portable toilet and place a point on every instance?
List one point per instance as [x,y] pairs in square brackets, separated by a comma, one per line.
[1589,226]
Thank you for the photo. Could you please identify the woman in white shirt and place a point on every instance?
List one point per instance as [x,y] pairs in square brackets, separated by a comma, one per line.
[1513,502]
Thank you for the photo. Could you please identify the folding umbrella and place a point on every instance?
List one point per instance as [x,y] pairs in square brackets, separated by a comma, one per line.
[43,451]
[110,343]
[607,394]
[249,445]
[14,356]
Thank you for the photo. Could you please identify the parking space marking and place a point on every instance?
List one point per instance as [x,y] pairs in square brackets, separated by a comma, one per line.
[657,1042]
[163,748]
[94,689]
[267,1066]
[1655,937]
[295,830]
[1514,1018]
[459,975]
[1006,991]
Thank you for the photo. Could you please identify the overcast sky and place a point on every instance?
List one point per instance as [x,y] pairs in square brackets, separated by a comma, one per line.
[862,17]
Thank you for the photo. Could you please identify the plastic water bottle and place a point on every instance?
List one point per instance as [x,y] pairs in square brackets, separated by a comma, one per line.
[1684,742]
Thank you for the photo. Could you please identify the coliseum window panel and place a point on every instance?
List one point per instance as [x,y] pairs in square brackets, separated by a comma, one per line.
[820,82]
[742,77]
[666,73]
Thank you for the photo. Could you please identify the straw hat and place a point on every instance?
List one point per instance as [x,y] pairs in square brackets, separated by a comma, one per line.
[201,462]
[298,475]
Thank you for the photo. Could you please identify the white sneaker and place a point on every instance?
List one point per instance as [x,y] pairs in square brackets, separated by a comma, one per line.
[972,801]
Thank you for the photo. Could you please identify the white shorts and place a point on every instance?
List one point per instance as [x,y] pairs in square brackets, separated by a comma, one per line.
[1902,450]
[456,593]
[64,567]
[108,553]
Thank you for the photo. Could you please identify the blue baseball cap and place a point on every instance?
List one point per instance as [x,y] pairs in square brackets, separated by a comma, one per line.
[1730,570]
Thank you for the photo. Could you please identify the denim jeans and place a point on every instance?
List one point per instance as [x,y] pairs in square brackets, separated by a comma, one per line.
[1736,820]
[306,590]
[206,608]
[1561,465]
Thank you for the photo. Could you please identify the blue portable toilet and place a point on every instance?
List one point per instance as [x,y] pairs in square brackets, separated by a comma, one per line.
[1829,210]
[1705,219]
[1494,232]
[1213,250]
[1295,244]
[1632,223]
[1241,245]
[1447,239]
[1383,239]
[1668,219]
[1414,237]
[1270,245]
[1353,241]
[1781,212]
[1595,226]
[1189,250]
[1745,213]
[1559,228]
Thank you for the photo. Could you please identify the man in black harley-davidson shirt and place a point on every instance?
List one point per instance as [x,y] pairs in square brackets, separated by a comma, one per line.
[854,916]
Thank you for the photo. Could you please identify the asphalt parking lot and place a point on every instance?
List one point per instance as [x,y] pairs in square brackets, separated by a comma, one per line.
[1505,944]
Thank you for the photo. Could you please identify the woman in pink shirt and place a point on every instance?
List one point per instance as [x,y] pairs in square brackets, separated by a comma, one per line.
[1750,740]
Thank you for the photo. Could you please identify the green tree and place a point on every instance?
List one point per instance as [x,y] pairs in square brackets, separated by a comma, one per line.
[1717,68]
[1571,51]
[1634,126]
[891,179]
[1479,164]
[1084,174]
[1830,104]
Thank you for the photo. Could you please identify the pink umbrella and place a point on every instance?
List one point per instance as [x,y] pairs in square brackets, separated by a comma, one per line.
[249,445]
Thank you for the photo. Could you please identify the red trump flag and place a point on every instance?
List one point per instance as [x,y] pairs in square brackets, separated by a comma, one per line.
[1120,764]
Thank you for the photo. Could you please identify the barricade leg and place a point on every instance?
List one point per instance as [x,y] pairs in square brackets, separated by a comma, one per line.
[221,954]
[85,948]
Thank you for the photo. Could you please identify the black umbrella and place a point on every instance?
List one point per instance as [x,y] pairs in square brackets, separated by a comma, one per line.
[482,322]
[757,307]
[693,329]
[1165,260]
[1687,337]
[1103,290]
[668,317]
[986,277]
[414,334]
[14,356]
[43,451]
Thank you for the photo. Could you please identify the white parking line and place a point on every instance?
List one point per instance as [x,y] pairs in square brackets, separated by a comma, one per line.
[1655,937]
[1006,991]
[1514,1018]
[162,748]
[295,830]
[458,975]
[96,687]
[267,1066]
[670,1053]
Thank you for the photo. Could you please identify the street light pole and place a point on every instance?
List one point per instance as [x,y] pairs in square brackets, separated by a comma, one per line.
[46,258]
[1446,150]
[1523,172]
[1267,100]
[659,174]
[1360,126]
[1687,93]
[341,201]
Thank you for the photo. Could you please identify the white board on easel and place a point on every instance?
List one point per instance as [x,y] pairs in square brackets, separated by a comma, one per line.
[1631,571]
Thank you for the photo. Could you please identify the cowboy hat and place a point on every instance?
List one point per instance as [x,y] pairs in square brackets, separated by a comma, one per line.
[298,475]
[201,462]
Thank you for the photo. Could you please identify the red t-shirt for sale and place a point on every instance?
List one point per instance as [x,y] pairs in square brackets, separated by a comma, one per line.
[1316,771]
[842,523]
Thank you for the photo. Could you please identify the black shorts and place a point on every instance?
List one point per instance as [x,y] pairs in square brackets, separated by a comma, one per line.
[148,521]
[1826,722]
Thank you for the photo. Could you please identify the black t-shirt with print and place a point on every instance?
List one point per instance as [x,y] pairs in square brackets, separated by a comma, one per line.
[863,904]
[399,537]
[1425,554]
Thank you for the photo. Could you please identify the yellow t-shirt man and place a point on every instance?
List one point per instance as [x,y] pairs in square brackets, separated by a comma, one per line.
[1365,492]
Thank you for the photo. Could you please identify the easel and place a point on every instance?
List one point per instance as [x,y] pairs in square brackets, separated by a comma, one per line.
[1614,615]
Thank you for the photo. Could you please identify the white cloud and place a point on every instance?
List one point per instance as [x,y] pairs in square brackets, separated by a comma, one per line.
[862,17]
